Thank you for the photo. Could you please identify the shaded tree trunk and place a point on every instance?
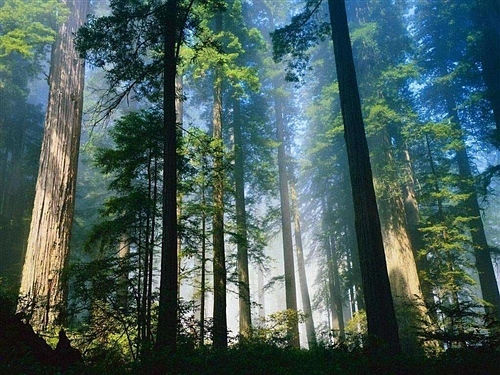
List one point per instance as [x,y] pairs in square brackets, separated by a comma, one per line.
[219,262]
[378,299]
[286,225]
[50,231]
[203,265]
[179,114]
[484,265]
[241,225]
[167,309]
[304,290]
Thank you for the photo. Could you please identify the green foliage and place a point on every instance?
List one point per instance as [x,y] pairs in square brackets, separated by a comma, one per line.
[27,27]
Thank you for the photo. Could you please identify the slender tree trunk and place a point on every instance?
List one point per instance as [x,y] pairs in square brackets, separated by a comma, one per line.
[337,291]
[151,249]
[203,265]
[179,114]
[50,231]
[286,225]
[261,295]
[304,290]
[167,312]
[378,299]
[123,255]
[219,266]
[241,225]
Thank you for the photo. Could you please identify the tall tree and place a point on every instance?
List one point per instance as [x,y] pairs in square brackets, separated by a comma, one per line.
[304,290]
[167,313]
[241,224]
[378,299]
[286,223]
[50,231]
[219,266]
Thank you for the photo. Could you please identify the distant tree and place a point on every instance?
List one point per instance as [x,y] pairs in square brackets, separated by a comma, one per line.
[378,299]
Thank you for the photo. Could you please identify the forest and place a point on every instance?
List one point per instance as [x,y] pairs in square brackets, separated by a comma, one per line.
[249,187]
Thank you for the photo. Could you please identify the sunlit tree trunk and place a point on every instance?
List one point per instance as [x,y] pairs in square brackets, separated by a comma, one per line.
[167,309]
[304,290]
[241,225]
[399,252]
[378,299]
[52,217]
[219,262]
[286,225]
[123,255]
[412,214]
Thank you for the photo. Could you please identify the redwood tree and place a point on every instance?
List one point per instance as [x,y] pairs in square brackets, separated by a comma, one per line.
[378,300]
[42,285]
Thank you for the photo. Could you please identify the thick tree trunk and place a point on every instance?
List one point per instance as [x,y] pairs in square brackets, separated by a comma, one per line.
[241,225]
[50,231]
[378,299]
[167,309]
[304,290]
[412,214]
[219,263]
[399,253]
[286,225]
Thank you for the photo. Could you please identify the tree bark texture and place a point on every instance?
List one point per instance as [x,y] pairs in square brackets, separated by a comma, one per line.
[48,243]
[378,299]
[399,253]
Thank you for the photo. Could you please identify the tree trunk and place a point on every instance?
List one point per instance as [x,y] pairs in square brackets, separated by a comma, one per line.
[261,295]
[304,290]
[179,108]
[378,299]
[167,309]
[123,255]
[412,214]
[399,253]
[286,225]
[50,231]
[241,225]
[484,265]
[203,265]
[337,291]
[219,265]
